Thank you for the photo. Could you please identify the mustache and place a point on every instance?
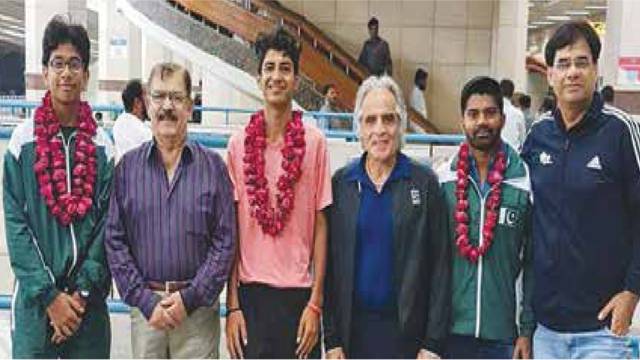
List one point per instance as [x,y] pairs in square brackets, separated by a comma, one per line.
[167,115]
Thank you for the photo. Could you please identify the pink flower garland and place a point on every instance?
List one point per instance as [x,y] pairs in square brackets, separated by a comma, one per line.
[50,164]
[272,220]
[495,177]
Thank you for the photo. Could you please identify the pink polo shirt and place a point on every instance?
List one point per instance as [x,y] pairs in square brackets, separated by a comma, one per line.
[282,261]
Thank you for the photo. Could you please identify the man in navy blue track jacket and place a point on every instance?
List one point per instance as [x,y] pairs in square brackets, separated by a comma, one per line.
[585,172]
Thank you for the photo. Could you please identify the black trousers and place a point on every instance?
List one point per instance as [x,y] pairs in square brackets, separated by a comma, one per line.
[377,335]
[470,347]
[272,317]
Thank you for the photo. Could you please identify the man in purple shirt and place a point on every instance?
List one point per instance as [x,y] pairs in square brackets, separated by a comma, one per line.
[171,229]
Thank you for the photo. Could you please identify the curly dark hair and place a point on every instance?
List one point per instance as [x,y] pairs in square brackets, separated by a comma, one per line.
[279,40]
[60,31]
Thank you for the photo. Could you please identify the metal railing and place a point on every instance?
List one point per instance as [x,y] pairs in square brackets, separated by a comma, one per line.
[220,141]
[115,306]
[29,106]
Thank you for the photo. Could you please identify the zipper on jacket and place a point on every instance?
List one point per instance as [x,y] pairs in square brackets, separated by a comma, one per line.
[14,297]
[480,241]
[66,144]
[565,175]
[565,155]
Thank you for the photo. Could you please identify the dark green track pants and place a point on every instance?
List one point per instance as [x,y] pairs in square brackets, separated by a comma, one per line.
[31,333]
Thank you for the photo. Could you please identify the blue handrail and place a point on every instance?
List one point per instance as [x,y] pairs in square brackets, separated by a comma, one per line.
[115,306]
[30,105]
[220,141]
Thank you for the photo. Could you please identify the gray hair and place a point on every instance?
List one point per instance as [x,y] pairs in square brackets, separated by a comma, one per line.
[381,82]
[167,69]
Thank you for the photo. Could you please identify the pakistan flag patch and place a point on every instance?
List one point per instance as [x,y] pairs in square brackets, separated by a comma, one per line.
[509,217]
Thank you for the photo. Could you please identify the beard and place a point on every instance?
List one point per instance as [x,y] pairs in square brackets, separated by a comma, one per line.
[483,139]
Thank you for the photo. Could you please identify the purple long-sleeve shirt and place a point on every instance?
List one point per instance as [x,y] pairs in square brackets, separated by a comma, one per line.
[183,230]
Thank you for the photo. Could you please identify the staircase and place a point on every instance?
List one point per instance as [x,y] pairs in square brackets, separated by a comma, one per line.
[322,61]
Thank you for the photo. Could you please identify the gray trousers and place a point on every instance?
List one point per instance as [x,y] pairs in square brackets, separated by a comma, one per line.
[198,337]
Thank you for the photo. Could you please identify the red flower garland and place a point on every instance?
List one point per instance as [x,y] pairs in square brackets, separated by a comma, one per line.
[495,177]
[272,220]
[51,167]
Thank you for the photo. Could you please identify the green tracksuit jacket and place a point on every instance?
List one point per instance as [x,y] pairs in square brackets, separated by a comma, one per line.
[48,258]
[484,296]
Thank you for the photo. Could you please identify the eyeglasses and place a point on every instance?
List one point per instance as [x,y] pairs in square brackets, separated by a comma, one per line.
[58,65]
[565,64]
[176,98]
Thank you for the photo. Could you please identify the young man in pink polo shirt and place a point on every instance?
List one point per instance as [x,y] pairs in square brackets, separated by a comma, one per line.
[280,169]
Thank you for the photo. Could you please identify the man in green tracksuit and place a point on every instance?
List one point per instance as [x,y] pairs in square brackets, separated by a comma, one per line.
[487,190]
[57,173]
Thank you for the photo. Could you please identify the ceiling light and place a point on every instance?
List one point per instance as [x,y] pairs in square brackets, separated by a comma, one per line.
[542,23]
[532,27]
[12,27]
[596,7]
[12,33]
[558,17]
[577,12]
[10,19]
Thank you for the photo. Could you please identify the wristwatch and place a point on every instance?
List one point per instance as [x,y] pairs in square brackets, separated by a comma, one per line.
[84,294]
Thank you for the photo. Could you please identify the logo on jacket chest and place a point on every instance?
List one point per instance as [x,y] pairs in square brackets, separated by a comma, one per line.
[545,159]
[415,196]
[594,163]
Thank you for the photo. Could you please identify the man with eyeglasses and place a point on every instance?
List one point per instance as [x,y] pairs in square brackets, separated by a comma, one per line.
[57,175]
[584,160]
[170,232]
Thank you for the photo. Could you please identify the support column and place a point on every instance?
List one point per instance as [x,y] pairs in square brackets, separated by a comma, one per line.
[620,60]
[38,13]
[509,48]
[621,47]
[120,54]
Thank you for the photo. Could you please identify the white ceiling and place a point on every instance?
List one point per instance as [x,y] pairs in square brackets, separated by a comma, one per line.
[11,25]
[540,25]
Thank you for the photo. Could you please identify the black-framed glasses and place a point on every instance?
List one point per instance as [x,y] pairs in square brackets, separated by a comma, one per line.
[59,64]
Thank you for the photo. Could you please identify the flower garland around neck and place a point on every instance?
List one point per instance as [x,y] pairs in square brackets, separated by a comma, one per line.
[272,220]
[50,166]
[495,177]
